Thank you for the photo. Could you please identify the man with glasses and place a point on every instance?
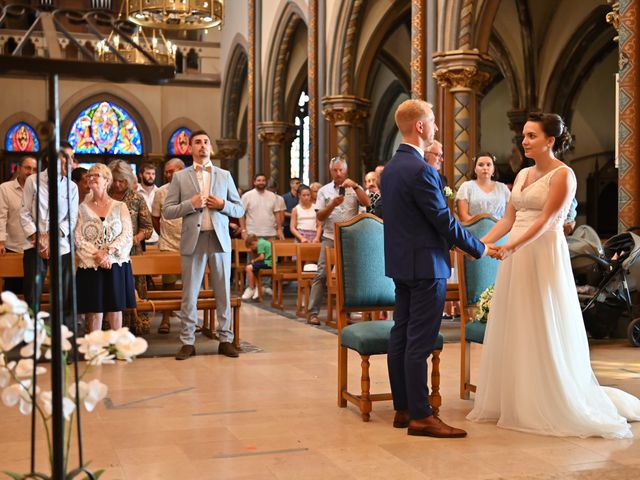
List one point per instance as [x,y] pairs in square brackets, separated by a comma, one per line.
[434,156]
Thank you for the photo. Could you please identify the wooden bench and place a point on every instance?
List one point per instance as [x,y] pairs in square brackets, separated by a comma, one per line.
[306,253]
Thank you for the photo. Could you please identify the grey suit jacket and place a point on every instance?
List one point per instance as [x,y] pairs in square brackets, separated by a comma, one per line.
[184,186]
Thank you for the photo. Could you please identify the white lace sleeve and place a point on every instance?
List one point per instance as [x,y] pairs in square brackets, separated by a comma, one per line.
[123,242]
[84,247]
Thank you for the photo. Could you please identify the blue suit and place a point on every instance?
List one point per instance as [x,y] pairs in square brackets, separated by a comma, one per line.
[419,231]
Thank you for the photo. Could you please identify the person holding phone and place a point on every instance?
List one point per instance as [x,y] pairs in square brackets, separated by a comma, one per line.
[338,201]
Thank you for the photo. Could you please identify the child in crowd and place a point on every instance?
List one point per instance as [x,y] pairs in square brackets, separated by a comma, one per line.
[261,249]
[305,226]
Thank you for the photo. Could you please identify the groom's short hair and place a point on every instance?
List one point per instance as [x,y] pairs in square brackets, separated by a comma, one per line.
[408,112]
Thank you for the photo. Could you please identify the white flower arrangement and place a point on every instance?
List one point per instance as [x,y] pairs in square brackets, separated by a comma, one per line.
[449,193]
[98,347]
[484,304]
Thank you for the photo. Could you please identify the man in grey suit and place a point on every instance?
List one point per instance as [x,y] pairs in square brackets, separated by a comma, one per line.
[204,196]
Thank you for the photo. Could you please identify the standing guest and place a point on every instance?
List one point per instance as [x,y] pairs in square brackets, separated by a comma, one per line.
[372,187]
[148,189]
[79,177]
[290,201]
[204,196]
[142,227]
[261,249]
[419,230]
[338,201]
[434,155]
[36,257]
[262,209]
[315,188]
[12,237]
[482,194]
[104,237]
[305,226]
[168,231]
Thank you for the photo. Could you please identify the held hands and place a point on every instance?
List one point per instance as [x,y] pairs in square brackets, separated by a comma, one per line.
[491,251]
[505,251]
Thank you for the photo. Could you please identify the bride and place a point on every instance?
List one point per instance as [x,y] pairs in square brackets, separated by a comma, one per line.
[535,371]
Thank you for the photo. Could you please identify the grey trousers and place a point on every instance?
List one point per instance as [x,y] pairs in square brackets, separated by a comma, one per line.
[208,251]
[320,281]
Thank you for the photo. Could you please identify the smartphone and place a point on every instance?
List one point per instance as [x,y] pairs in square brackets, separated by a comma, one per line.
[341,191]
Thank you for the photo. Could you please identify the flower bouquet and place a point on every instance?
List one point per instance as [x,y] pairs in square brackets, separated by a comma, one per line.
[449,193]
[483,305]
[18,327]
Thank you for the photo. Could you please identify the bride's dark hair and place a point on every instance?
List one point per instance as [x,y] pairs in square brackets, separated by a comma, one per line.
[553,126]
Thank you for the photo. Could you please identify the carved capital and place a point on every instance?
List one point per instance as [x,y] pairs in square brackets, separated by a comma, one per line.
[345,110]
[276,133]
[464,69]
[230,149]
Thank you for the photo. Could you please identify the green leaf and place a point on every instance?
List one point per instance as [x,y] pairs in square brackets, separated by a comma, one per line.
[98,474]
[14,475]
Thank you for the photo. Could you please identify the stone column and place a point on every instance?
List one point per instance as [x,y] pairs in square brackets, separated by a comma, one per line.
[346,114]
[277,137]
[313,84]
[418,46]
[462,77]
[624,18]
[229,151]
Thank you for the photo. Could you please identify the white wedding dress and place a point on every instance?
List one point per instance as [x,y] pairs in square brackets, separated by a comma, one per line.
[535,371]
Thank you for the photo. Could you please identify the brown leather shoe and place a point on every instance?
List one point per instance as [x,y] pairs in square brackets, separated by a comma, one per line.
[401,419]
[227,349]
[434,427]
[313,320]
[185,352]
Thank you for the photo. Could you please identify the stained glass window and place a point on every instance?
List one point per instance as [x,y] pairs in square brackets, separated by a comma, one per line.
[21,138]
[179,142]
[300,145]
[105,127]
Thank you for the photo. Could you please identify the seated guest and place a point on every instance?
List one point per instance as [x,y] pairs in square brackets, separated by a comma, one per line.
[261,249]
[482,194]
[103,237]
[305,226]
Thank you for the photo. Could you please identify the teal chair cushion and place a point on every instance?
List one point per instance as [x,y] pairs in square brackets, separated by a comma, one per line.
[480,274]
[372,338]
[362,248]
[474,331]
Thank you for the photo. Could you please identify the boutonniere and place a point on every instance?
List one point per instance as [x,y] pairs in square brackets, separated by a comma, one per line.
[449,193]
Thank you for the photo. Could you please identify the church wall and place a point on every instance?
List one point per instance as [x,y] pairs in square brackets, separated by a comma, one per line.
[496,136]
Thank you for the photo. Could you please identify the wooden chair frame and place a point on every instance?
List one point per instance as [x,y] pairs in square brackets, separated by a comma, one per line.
[283,271]
[238,248]
[306,252]
[364,401]
[332,284]
[268,272]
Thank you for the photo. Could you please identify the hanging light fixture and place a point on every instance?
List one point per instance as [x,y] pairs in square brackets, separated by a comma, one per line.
[176,14]
[158,47]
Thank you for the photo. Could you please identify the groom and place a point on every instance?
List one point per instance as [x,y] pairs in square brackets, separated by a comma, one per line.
[419,231]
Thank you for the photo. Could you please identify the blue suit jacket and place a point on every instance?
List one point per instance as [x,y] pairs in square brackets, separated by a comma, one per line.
[419,229]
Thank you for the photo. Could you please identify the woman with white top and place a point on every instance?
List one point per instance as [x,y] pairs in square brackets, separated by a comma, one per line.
[305,226]
[482,194]
[104,238]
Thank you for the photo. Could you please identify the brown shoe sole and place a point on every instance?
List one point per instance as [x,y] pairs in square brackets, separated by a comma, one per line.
[181,356]
[420,432]
[400,424]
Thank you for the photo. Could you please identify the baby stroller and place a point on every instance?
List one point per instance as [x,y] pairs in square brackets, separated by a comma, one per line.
[605,277]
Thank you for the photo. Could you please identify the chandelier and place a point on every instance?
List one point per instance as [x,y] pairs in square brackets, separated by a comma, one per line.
[176,14]
[137,48]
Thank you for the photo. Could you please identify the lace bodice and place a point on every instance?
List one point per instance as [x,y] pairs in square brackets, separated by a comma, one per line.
[530,201]
[93,233]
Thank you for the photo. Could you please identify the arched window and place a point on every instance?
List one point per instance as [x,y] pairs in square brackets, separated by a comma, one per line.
[105,127]
[300,145]
[21,138]
[179,142]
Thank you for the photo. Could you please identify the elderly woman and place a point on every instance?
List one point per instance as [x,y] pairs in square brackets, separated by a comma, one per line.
[103,238]
[141,224]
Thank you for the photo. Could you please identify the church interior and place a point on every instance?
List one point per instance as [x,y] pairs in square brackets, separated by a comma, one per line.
[281,87]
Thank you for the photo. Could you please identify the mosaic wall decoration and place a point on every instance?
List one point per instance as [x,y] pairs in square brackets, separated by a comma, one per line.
[179,142]
[105,127]
[21,138]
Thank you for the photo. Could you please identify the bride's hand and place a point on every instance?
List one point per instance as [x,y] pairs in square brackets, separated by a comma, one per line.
[505,251]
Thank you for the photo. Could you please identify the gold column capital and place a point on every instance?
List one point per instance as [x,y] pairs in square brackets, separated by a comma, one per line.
[613,17]
[276,133]
[464,69]
[229,148]
[345,110]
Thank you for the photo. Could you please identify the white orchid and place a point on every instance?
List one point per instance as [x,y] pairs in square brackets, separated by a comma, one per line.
[94,344]
[5,375]
[91,393]
[13,304]
[45,402]
[128,345]
[19,394]
[24,368]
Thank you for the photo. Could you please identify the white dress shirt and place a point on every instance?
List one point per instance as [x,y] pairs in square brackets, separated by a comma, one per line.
[30,203]
[203,172]
[11,232]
